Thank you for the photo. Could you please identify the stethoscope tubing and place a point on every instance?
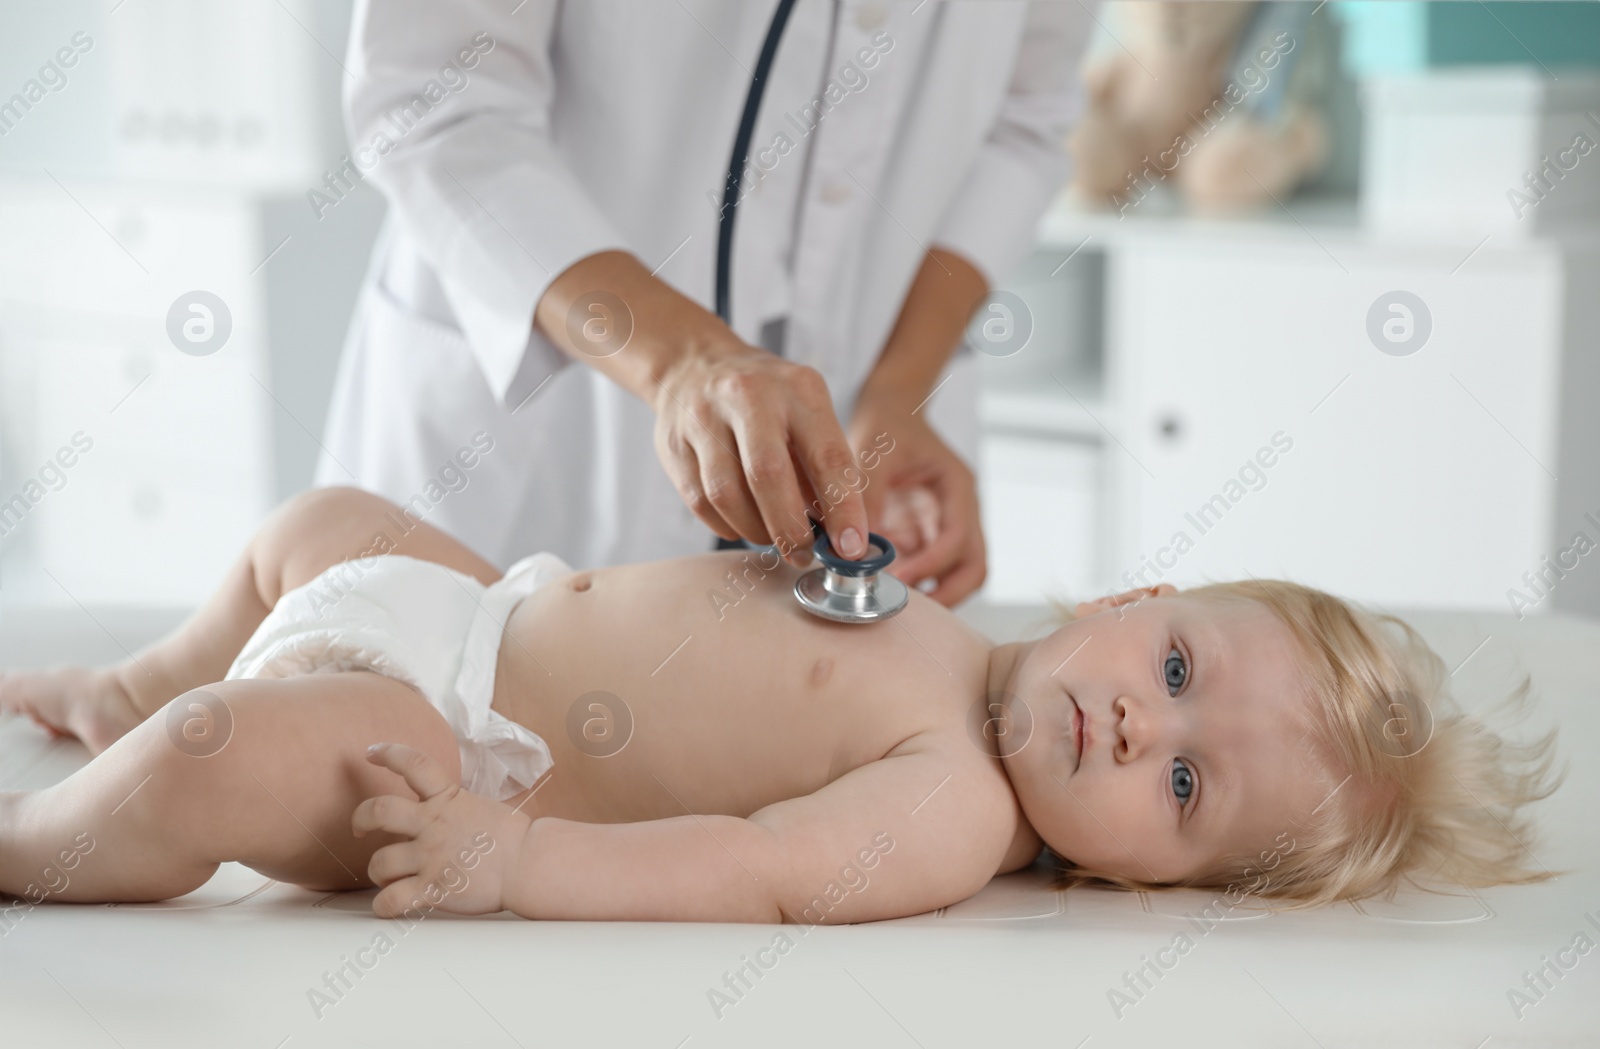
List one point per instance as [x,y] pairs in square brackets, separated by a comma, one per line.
[741,157]
[841,590]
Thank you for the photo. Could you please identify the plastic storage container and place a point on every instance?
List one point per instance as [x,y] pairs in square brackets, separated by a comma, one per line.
[1504,150]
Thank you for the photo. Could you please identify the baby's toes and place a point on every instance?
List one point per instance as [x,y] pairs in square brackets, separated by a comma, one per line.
[42,695]
[12,700]
[55,733]
[14,704]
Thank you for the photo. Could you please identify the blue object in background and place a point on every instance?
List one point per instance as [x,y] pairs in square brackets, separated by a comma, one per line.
[1382,37]
[1271,20]
[1387,37]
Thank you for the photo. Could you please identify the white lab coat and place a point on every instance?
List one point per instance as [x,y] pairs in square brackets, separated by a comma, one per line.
[513,140]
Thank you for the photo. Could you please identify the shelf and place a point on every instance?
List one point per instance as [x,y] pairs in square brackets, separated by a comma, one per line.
[1068,222]
[1331,220]
[1046,411]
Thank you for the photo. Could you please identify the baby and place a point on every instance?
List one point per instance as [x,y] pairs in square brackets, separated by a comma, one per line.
[680,741]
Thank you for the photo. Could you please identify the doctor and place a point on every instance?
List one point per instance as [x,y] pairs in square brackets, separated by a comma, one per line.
[533,364]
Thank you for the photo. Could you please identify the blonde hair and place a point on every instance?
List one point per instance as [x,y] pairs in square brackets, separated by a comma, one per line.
[1429,792]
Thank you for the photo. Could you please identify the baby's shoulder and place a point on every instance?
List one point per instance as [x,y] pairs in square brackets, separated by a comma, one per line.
[958,753]
[962,793]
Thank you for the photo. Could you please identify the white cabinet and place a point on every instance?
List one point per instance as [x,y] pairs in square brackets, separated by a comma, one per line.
[179,160]
[1425,476]
[177,469]
[187,452]
[1040,500]
[193,92]
[1247,423]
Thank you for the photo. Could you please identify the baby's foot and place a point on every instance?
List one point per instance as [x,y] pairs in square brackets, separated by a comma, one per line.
[71,701]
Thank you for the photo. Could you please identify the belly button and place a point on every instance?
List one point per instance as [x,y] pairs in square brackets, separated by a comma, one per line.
[581,582]
[821,671]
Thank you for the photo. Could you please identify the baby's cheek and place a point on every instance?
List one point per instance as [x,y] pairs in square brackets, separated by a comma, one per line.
[1095,828]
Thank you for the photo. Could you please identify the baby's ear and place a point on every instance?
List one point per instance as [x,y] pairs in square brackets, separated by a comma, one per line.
[1100,604]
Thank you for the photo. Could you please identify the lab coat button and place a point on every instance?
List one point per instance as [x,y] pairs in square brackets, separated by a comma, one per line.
[870,17]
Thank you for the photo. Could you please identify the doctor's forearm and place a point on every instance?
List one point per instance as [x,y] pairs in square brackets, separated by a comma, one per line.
[610,300]
[932,319]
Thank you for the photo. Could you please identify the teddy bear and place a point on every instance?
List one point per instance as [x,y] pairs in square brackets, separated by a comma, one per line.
[1197,95]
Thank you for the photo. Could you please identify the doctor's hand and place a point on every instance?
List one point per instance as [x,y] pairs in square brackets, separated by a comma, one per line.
[749,440]
[924,499]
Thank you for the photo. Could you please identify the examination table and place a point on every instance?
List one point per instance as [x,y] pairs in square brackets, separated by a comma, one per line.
[245,962]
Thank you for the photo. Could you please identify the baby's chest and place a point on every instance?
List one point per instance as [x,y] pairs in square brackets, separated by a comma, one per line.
[732,735]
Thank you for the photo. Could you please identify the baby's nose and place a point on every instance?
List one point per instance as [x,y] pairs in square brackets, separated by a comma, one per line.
[1137,727]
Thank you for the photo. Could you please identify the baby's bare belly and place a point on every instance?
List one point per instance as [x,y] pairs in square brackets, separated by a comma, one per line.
[658,698]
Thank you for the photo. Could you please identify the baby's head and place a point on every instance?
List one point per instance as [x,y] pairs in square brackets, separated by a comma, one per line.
[1261,737]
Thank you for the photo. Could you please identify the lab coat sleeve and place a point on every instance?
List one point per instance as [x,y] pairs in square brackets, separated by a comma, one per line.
[449,101]
[1023,162]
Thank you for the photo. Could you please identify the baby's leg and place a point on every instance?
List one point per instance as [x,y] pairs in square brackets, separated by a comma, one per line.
[304,537]
[154,815]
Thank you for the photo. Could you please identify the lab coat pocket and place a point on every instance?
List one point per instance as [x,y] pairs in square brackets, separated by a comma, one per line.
[420,358]
[396,319]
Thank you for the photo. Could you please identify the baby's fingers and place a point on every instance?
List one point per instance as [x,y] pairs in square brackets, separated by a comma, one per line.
[393,862]
[421,773]
[388,812]
[405,894]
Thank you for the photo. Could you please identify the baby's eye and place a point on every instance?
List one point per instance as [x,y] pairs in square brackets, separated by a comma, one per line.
[1176,673]
[1182,781]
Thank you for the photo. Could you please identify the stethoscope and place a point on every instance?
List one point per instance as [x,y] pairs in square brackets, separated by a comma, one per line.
[842,590]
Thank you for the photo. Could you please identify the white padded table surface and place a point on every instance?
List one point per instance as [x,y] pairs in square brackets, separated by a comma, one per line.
[233,964]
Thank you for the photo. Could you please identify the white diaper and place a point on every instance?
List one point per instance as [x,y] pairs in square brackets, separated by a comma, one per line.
[427,625]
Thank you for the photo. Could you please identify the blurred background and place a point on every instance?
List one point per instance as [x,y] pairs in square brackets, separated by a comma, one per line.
[1323,302]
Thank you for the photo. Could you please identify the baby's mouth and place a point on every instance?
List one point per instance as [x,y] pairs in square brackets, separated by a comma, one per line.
[1077,732]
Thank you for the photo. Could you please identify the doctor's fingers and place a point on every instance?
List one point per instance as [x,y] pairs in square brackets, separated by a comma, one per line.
[957,560]
[682,465]
[936,559]
[833,476]
[775,479]
[957,551]
[723,480]
[969,573]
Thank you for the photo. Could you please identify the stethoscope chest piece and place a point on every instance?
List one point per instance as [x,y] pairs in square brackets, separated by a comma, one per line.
[852,591]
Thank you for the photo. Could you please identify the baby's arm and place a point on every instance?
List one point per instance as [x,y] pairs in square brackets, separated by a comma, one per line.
[909,833]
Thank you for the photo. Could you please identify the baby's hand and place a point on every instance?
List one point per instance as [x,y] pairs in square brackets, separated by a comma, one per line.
[462,845]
